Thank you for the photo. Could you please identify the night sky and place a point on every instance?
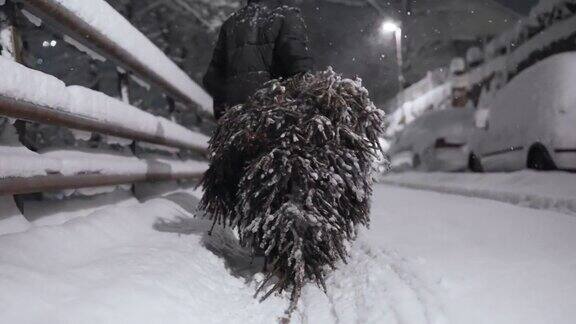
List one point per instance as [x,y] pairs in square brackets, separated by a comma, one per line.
[522,6]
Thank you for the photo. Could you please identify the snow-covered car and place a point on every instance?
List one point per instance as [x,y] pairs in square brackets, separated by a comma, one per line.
[437,141]
[531,122]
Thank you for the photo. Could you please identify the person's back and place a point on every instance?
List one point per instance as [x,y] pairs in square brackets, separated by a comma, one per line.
[262,41]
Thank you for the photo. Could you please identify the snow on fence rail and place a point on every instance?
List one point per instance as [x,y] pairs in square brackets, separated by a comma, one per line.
[23,171]
[35,96]
[96,25]
[32,95]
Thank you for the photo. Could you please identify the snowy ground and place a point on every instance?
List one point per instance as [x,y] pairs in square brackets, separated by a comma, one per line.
[486,261]
[428,258]
[148,263]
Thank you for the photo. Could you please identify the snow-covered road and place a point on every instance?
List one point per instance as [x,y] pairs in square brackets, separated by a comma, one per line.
[428,258]
[486,261]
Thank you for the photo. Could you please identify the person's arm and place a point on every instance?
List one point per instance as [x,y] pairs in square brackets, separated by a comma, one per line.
[214,78]
[292,47]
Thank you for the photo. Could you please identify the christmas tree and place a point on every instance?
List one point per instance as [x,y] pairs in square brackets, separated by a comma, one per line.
[291,171]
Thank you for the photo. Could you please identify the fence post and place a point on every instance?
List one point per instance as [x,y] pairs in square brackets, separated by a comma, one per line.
[10,39]
[124,86]
[11,49]
[171,106]
[94,75]
[124,76]
[124,89]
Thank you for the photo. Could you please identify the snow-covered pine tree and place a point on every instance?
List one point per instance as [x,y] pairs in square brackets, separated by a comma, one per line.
[291,170]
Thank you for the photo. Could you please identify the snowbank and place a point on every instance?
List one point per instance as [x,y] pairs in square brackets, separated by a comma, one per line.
[435,99]
[101,16]
[53,212]
[149,263]
[548,191]
[11,220]
[24,84]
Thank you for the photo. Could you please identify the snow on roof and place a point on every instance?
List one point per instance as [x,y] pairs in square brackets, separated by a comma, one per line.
[100,15]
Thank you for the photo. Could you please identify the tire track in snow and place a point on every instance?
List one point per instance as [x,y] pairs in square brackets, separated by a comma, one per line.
[432,308]
[376,286]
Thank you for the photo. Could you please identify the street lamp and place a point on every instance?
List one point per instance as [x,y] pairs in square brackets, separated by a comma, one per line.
[391,27]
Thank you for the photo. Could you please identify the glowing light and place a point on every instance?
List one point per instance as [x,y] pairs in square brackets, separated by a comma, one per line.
[389,27]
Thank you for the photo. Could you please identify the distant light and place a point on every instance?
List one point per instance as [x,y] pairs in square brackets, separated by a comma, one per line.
[389,27]
[51,43]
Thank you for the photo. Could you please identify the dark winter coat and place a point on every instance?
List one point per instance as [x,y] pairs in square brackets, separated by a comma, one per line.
[262,41]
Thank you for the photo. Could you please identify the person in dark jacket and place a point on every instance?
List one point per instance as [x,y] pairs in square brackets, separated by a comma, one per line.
[264,40]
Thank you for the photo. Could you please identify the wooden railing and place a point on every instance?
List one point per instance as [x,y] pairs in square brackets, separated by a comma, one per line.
[73,115]
[75,26]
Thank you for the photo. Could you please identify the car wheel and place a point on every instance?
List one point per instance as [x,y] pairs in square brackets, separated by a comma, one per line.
[539,159]
[474,164]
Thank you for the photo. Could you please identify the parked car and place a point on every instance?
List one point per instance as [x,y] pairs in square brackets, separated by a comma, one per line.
[436,141]
[531,122]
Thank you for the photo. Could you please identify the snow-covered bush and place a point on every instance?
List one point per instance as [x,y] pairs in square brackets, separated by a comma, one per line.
[548,12]
[291,170]
[549,30]
[544,15]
